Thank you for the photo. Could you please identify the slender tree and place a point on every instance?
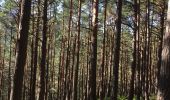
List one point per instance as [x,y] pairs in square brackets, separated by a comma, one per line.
[33,86]
[93,66]
[131,91]
[117,51]
[43,53]
[9,69]
[103,53]
[78,56]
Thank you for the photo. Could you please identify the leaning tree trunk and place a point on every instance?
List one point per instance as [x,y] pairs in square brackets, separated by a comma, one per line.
[164,78]
[21,57]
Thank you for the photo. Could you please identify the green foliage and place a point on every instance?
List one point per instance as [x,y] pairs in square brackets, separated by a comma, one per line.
[9,4]
[122,97]
[2,14]
[152,97]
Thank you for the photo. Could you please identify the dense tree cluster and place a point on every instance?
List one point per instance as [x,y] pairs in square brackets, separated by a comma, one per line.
[84,50]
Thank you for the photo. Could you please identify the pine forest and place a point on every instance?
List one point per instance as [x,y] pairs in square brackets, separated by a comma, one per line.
[84,49]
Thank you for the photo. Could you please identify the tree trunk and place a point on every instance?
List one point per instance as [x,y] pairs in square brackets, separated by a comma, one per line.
[33,87]
[21,57]
[43,54]
[77,51]
[161,42]
[117,52]
[131,91]
[93,66]
[103,54]
[164,78]
[9,68]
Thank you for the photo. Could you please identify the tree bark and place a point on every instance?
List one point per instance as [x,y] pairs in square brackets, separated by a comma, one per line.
[117,52]
[21,57]
[93,66]
[33,87]
[43,53]
[164,78]
[78,51]
[131,91]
